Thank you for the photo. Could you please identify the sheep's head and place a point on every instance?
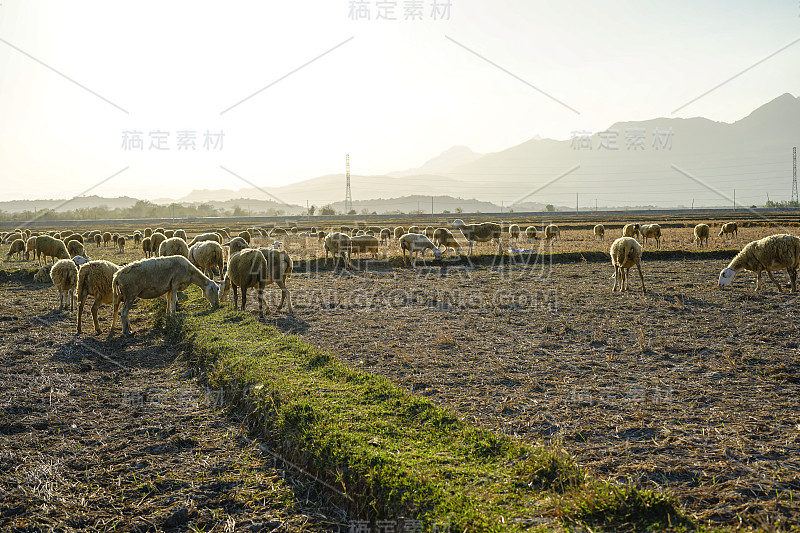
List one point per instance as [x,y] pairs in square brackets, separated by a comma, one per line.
[726,277]
[211,292]
[224,288]
[458,223]
[437,253]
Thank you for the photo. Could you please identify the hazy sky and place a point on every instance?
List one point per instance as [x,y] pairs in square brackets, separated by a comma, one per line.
[392,94]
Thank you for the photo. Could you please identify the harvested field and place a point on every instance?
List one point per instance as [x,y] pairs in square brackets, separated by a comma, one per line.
[104,435]
[689,389]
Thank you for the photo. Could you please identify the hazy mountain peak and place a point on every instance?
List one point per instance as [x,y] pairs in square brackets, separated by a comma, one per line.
[441,164]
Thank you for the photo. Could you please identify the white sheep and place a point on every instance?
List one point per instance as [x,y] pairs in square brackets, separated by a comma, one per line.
[156,277]
[76,248]
[651,231]
[513,232]
[208,256]
[701,232]
[251,268]
[17,247]
[600,232]
[364,244]
[399,231]
[625,253]
[65,276]
[443,237]
[338,244]
[631,230]
[414,243]
[530,233]
[485,232]
[775,252]
[47,246]
[551,231]
[731,228]
[174,246]
[210,236]
[94,279]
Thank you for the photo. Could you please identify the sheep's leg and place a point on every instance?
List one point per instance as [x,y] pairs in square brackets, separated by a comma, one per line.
[235,297]
[244,298]
[641,276]
[72,300]
[758,280]
[261,302]
[616,277]
[81,302]
[285,290]
[95,307]
[126,327]
[769,273]
[793,277]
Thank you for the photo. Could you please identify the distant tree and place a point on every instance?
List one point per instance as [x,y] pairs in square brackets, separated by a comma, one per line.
[446,212]
[550,208]
[459,209]
[327,210]
[352,212]
[238,211]
[311,210]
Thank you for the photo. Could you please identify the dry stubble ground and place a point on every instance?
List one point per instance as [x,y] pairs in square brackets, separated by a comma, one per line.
[125,441]
[689,388]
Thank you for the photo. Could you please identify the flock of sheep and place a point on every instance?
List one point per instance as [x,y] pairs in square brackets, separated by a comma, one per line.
[172,262]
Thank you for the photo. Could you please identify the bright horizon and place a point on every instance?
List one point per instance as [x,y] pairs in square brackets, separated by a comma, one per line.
[392,93]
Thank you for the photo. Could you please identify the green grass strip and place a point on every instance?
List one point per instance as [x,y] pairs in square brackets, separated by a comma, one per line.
[392,454]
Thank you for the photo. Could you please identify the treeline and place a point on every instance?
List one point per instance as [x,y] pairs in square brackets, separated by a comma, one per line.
[141,209]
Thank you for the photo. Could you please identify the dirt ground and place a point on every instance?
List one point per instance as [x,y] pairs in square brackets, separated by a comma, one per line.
[689,388]
[100,435]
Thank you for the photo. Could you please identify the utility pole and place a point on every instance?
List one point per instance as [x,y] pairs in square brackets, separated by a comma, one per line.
[576,202]
[734,199]
[431,205]
[795,198]
[501,205]
[692,203]
[595,205]
[348,197]
[307,213]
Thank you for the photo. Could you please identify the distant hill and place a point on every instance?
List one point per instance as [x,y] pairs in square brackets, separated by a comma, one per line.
[81,202]
[442,163]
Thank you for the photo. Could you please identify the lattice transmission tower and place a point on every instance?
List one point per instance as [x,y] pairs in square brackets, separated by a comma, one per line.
[348,197]
[794,176]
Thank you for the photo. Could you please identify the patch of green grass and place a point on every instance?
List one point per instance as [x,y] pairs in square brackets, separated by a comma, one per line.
[389,453]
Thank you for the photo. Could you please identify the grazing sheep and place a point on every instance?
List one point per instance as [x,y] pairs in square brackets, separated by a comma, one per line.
[364,244]
[775,252]
[279,268]
[625,253]
[429,232]
[147,247]
[74,237]
[651,231]
[170,233]
[321,235]
[66,233]
[30,247]
[121,244]
[17,247]
[98,239]
[225,232]
[106,238]
[156,277]
[47,246]
[399,231]
[355,231]
[246,236]
[211,236]
[413,229]
[155,241]
[443,237]
[148,232]
[208,256]
[94,279]
[731,228]
[278,232]
[76,248]
[137,238]
[65,276]
[513,232]
[630,230]
[338,244]
[385,234]
[600,232]
[246,269]
[180,234]
[485,232]
[701,232]
[530,233]
[551,231]
[237,244]
[414,243]
[159,230]
[174,246]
